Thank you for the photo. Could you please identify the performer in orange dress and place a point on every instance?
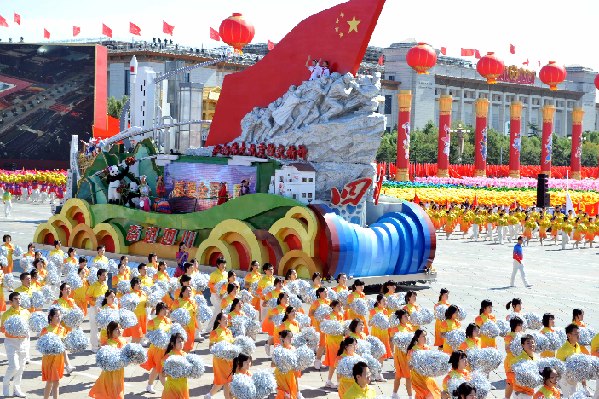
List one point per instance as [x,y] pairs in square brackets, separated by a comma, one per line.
[155,354]
[288,323]
[402,367]
[380,307]
[185,301]
[175,388]
[321,300]
[450,323]
[347,348]
[411,306]
[252,277]
[443,298]
[78,294]
[357,292]
[332,343]
[53,365]
[425,387]
[109,302]
[138,331]
[510,377]
[2,301]
[7,243]
[486,315]
[222,368]
[287,386]
[111,384]
[268,325]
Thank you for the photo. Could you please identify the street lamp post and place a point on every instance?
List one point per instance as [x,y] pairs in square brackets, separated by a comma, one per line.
[461,131]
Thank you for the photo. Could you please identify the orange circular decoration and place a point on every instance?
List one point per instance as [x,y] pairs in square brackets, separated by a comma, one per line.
[490,67]
[421,58]
[236,31]
[553,74]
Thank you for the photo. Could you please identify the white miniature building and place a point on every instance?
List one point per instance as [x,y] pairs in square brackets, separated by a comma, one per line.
[143,92]
[296,181]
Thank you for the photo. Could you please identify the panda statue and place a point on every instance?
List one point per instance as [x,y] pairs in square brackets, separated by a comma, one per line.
[115,175]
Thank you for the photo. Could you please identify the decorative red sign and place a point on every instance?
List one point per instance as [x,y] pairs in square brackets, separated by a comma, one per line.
[188,238]
[352,193]
[134,233]
[513,74]
[151,235]
[168,236]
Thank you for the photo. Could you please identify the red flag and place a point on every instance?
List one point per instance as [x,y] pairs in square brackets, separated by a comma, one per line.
[477,54]
[46,34]
[168,29]
[271,45]
[214,35]
[134,29]
[106,31]
[467,52]
[382,60]
[512,49]
[475,201]
[17,19]
[3,22]
[444,50]
[416,200]
[339,35]
[525,62]
[76,30]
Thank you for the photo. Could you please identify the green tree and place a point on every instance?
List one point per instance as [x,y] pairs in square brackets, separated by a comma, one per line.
[530,152]
[590,153]
[115,106]
[562,148]
[388,149]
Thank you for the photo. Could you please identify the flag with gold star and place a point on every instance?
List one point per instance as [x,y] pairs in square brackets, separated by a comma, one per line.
[339,35]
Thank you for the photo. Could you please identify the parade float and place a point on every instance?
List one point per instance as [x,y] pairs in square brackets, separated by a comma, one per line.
[285,175]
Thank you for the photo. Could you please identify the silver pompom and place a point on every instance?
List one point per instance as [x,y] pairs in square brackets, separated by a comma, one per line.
[112,267]
[181,316]
[360,306]
[504,327]
[271,303]
[527,374]
[200,300]
[129,301]
[462,314]
[265,383]
[421,317]
[295,302]
[225,350]
[516,345]
[197,368]
[17,252]
[303,320]
[322,312]
[377,348]
[579,394]
[485,360]
[155,296]
[10,281]
[430,363]
[331,327]
[134,354]
[48,292]
[305,357]
[25,301]
[520,316]
[394,321]
[53,277]
[440,312]
[293,287]
[342,297]
[453,384]
[162,285]
[178,329]
[108,358]
[127,318]
[105,316]
[284,359]
[395,302]
[123,287]
[363,347]
[534,321]
[239,325]
[579,367]
[346,365]
[455,338]
[250,311]
[219,286]
[176,366]
[50,344]
[541,342]
[73,318]
[74,281]
[331,294]
[16,326]
[586,335]
[151,271]
[277,319]
[199,281]
[481,384]
[93,275]
[376,368]
[245,296]
[556,339]
[379,320]
[37,299]
[37,322]
[307,336]
[555,363]
[489,329]
[401,340]
[204,313]
[159,338]
[242,387]
[253,328]
[76,341]
[246,345]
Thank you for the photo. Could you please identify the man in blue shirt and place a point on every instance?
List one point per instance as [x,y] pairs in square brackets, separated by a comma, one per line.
[518,256]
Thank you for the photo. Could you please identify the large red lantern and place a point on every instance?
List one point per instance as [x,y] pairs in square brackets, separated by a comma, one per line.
[597,81]
[421,58]
[490,67]
[236,31]
[553,74]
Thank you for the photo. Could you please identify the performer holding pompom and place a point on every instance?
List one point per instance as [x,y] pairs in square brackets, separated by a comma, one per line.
[221,367]
[175,388]
[53,365]
[185,301]
[78,294]
[411,306]
[486,316]
[138,331]
[472,338]
[287,384]
[111,383]
[516,324]
[426,387]
[459,369]
[443,301]
[16,343]
[357,292]
[361,388]
[549,390]
[321,300]
[402,367]
[346,349]
[288,323]
[548,324]
[155,353]
[333,340]
[378,330]
[356,329]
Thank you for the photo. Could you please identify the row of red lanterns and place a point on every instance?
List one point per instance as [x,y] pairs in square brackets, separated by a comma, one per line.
[423,57]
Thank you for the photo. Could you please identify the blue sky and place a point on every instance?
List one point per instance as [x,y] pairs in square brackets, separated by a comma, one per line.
[541,30]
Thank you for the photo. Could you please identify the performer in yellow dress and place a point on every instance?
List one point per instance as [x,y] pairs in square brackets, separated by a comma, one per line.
[411,306]
[287,385]
[443,301]
[268,325]
[53,365]
[548,324]
[78,294]
[288,323]
[402,367]
[321,300]
[450,323]
[175,388]
[357,291]
[459,369]
[332,343]
[252,277]
[138,331]
[425,387]
[549,390]
[111,384]
[186,301]
[361,388]
[527,343]
[486,315]
[356,329]
[383,334]
[221,367]
[155,354]
[510,378]
[266,280]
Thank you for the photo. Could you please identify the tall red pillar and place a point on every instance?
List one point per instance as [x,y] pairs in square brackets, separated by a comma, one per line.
[547,141]
[515,138]
[404,98]
[481,107]
[576,154]
[445,103]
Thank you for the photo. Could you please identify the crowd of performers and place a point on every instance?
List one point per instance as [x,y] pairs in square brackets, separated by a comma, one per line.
[33,191]
[500,225]
[153,320]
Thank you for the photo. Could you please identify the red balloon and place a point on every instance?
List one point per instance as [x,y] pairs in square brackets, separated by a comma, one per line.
[553,74]
[490,67]
[597,81]
[236,31]
[421,58]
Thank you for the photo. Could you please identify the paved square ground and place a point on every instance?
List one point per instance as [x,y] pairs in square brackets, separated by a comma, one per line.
[472,271]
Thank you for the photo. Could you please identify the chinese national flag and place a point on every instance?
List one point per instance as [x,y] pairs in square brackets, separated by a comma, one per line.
[271,45]
[134,29]
[444,50]
[214,35]
[106,31]
[17,19]
[381,60]
[467,52]
[76,30]
[46,34]
[477,54]
[339,35]
[168,29]
[512,49]
[3,22]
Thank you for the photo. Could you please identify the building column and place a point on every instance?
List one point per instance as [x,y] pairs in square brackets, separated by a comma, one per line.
[547,143]
[444,143]
[481,107]
[404,99]
[576,154]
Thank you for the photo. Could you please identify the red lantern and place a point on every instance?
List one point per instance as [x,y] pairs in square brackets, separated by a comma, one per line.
[597,81]
[421,58]
[236,31]
[490,67]
[553,74]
